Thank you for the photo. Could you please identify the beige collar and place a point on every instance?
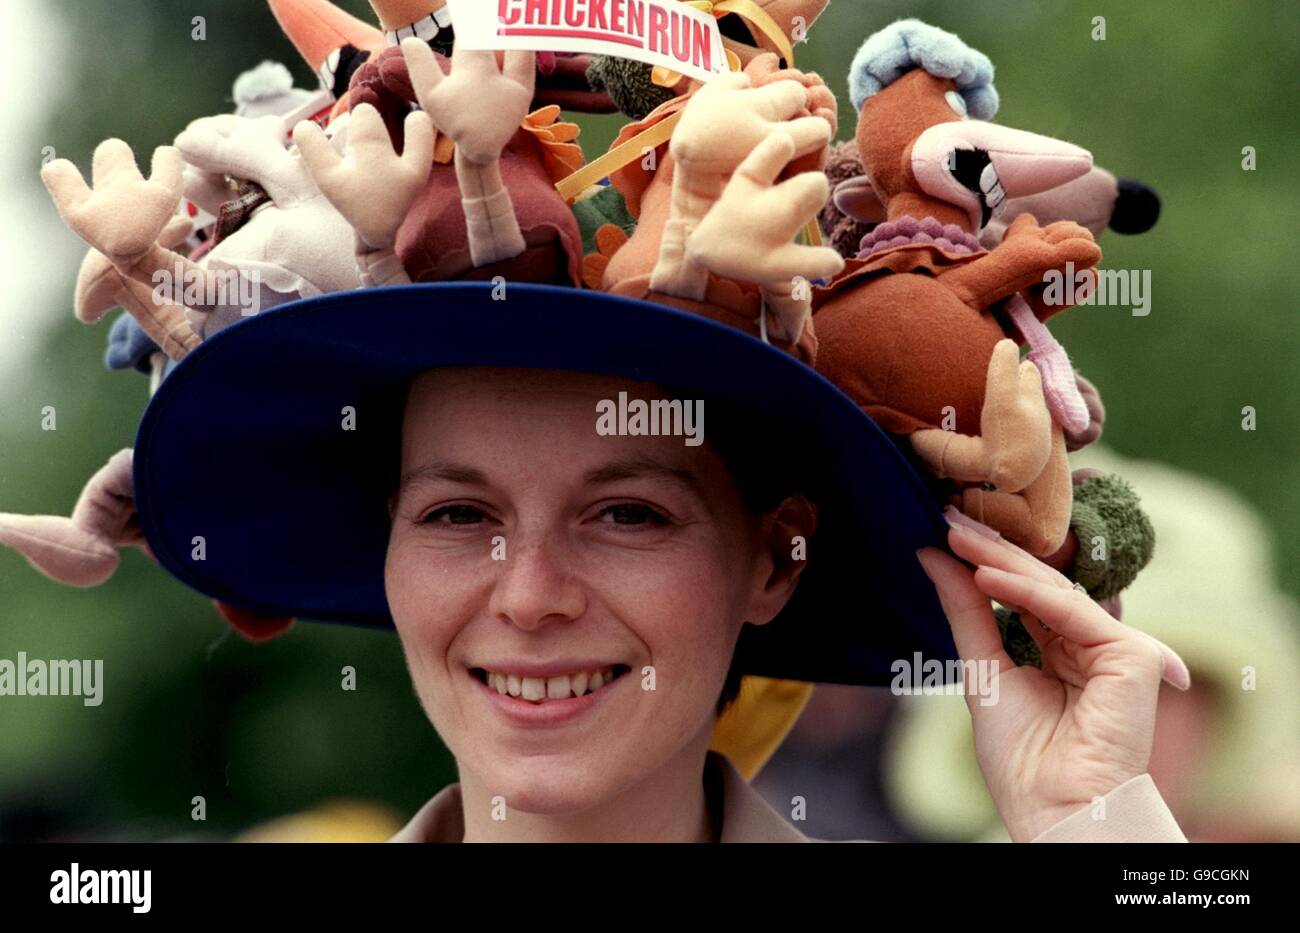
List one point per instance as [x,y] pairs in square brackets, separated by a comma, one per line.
[746,816]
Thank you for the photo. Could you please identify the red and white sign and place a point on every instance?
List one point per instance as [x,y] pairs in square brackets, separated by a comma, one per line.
[658,32]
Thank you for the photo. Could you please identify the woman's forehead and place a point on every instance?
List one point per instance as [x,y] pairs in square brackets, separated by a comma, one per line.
[451,385]
[486,412]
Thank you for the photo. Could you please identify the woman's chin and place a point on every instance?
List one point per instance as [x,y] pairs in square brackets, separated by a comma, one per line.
[553,784]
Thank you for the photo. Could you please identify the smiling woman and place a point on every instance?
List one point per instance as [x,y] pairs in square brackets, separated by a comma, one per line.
[621,554]
[572,604]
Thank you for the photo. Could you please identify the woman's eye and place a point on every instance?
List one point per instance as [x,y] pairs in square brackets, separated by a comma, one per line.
[631,514]
[454,515]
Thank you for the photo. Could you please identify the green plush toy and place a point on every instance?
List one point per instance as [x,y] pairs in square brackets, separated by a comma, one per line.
[1116,540]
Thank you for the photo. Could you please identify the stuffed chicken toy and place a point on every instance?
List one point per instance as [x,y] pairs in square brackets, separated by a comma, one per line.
[716,203]
[923,330]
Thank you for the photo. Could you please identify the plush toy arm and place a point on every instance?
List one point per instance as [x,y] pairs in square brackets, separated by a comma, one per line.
[722,126]
[101,286]
[748,233]
[123,215]
[1015,439]
[373,187]
[1022,261]
[480,106]
[379,267]
[492,227]
[82,550]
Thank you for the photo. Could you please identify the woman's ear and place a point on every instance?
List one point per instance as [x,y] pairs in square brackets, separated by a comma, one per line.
[785,532]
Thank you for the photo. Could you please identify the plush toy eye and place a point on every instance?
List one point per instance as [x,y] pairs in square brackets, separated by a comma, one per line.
[957,103]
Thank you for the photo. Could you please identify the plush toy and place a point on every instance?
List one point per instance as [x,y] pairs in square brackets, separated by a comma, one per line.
[333,43]
[488,206]
[748,30]
[82,550]
[922,331]
[704,240]
[1098,201]
[1104,507]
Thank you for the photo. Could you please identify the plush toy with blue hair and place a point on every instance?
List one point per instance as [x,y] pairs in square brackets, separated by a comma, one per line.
[908,44]
[921,329]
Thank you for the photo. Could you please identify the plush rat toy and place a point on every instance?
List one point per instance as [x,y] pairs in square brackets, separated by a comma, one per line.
[1098,201]
[923,330]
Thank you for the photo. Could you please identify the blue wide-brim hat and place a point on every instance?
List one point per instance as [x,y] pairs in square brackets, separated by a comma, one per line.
[243,446]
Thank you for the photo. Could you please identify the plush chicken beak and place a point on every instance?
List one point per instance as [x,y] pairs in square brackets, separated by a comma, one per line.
[978,166]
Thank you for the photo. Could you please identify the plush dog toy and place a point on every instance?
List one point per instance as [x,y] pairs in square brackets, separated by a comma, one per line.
[923,330]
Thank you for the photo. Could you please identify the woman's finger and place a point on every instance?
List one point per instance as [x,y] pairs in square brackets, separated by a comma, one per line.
[976,548]
[974,628]
[1074,616]
[1066,611]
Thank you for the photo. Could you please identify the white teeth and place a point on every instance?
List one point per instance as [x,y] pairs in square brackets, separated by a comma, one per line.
[989,179]
[562,687]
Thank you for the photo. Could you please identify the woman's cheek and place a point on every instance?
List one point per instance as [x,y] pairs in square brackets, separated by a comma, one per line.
[426,599]
[676,601]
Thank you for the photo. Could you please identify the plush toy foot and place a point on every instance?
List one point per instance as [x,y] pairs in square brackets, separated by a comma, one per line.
[59,549]
[1038,518]
[81,550]
[1014,443]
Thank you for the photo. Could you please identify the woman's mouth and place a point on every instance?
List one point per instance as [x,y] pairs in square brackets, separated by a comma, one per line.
[543,690]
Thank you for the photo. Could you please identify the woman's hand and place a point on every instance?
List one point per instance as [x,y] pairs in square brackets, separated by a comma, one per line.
[1059,737]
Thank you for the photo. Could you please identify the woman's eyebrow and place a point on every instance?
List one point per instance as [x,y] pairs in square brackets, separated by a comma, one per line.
[441,470]
[638,467]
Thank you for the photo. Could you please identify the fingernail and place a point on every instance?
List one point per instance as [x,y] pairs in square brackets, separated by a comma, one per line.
[959,520]
[1176,671]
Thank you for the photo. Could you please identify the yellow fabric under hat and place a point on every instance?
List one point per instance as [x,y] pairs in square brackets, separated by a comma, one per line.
[755,725]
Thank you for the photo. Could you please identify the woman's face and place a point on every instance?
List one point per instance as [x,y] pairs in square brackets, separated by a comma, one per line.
[532,558]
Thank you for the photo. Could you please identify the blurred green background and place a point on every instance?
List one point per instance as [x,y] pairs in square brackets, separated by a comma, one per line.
[1171,96]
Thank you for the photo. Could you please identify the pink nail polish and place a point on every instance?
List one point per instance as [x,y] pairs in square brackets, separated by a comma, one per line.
[957,519]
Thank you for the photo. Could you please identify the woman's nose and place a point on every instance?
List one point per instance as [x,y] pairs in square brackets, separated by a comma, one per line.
[536,585]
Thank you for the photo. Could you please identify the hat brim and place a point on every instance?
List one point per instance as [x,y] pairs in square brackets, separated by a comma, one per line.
[244,447]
